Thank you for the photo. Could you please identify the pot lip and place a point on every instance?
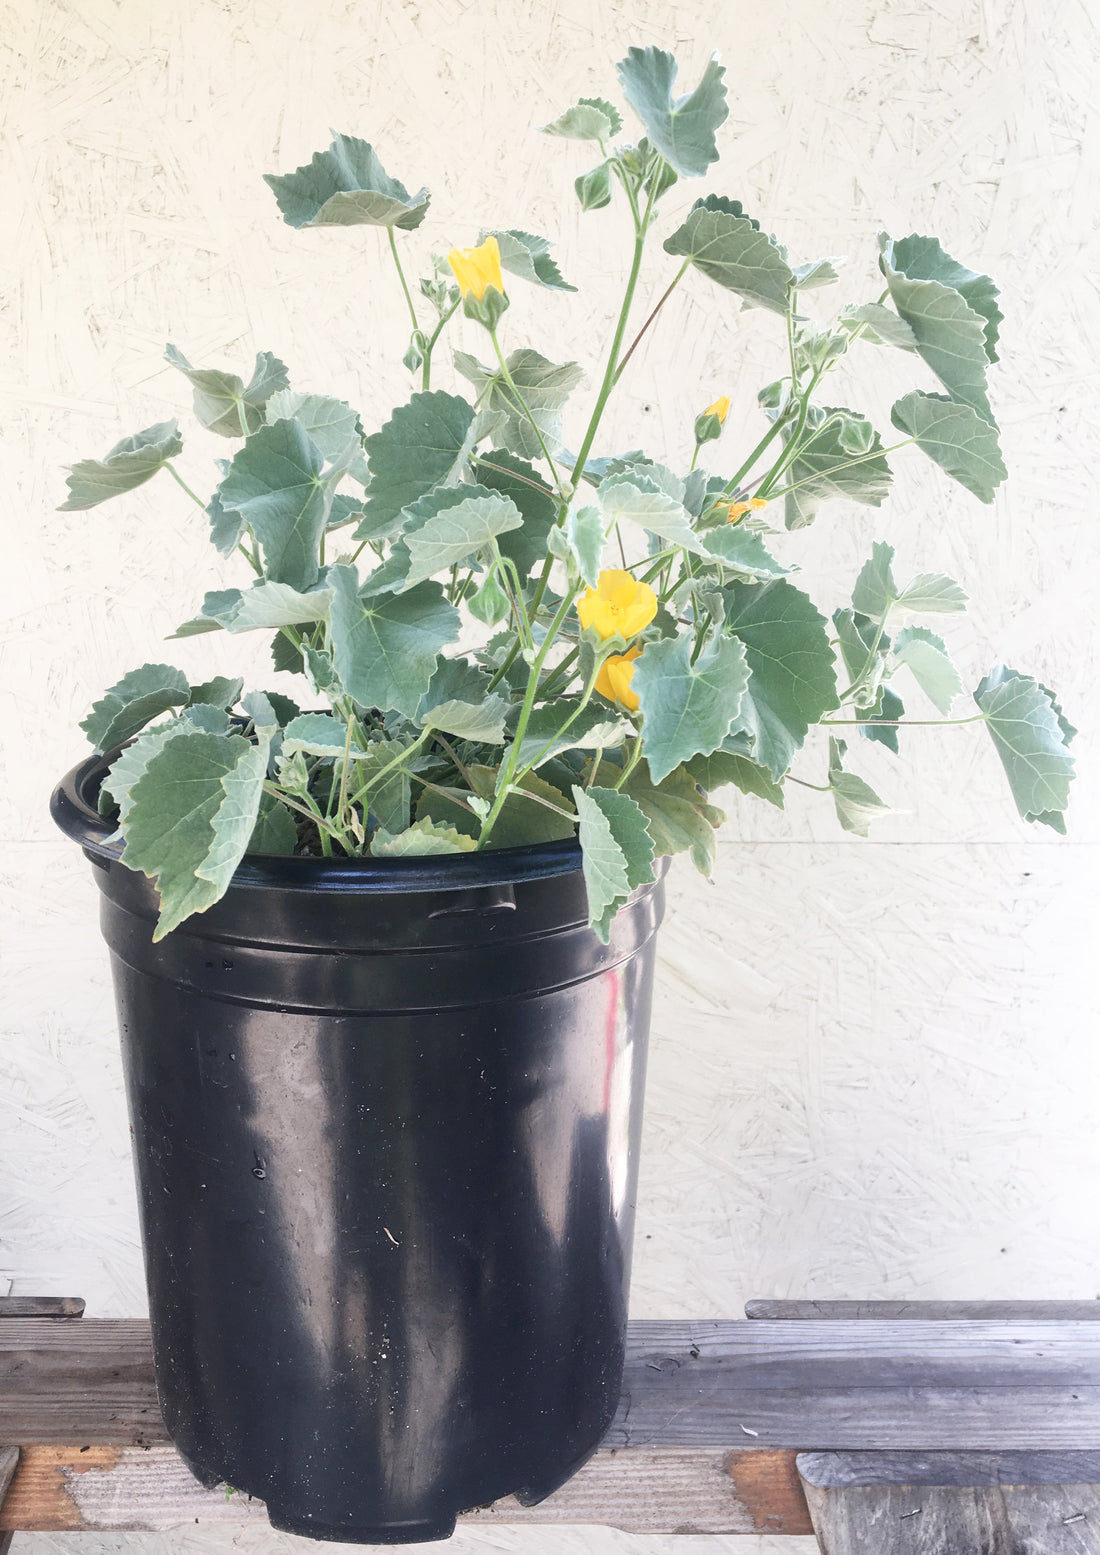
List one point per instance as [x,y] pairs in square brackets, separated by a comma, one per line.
[73,809]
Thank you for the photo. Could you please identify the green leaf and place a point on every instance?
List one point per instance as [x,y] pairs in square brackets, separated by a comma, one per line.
[927,656]
[332,424]
[933,593]
[132,702]
[816,272]
[584,534]
[525,546]
[1029,733]
[682,129]
[203,715]
[129,464]
[722,768]
[742,552]
[343,510]
[346,186]
[385,647]
[423,445]
[284,708]
[219,692]
[482,721]
[875,591]
[223,402]
[956,438]
[320,734]
[267,604]
[419,840]
[389,801]
[458,702]
[456,530]
[879,722]
[544,386]
[527,256]
[824,470]
[637,498]
[275,484]
[921,258]
[285,655]
[588,728]
[591,118]
[190,818]
[131,764]
[951,334]
[732,251]
[792,681]
[881,325]
[617,851]
[857,804]
[688,709]
[678,816]
[522,821]
[274,831]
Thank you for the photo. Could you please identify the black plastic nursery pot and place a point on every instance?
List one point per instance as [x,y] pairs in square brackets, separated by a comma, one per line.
[385,1117]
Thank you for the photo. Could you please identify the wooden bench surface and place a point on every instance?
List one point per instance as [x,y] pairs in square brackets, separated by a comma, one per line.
[712,1415]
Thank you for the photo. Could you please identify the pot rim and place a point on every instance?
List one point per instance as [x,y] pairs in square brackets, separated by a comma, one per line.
[72,806]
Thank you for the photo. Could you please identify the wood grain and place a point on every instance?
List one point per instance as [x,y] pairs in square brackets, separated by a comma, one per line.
[847,1470]
[928,1311]
[42,1306]
[671,1490]
[920,1521]
[807,1385]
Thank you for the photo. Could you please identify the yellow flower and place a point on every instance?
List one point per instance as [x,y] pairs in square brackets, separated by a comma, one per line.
[613,681]
[720,408]
[618,603]
[739,509]
[475,269]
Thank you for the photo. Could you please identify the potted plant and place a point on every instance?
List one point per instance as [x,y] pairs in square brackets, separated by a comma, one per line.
[383,954]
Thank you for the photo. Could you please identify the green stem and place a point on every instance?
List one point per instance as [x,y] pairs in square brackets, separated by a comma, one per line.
[876,453]
[632,762]
[513,475]
[401,275]
[311,814]
[426,371]
[736,479]
[905,723]
[179,480]
[665,295]
[512,759]
[524,407]
[819,788]
[442,740]
[397,761]
[641,224]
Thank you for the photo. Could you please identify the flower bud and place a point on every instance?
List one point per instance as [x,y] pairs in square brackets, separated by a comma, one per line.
[709,424]
[594,188]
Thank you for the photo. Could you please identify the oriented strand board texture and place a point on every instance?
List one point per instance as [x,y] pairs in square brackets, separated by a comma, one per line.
[875,1065]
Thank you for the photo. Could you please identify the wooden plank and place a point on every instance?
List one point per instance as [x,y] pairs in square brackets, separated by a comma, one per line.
[69,1489]
[847,1470]
[1017,1521]
[9,1460]
[807,1385]
[953,1503]
[41,1306]
[927,1311]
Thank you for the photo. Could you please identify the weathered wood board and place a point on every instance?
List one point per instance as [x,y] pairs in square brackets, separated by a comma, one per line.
[805,1385]
[954,1503]
[665,1490]
[928,1311]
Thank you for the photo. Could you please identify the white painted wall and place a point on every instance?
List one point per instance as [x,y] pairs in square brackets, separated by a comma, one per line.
[875,1067]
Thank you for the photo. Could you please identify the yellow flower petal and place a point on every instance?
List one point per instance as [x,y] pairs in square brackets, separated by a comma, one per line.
[739,509]
[720,408]
[475,269]
[616,674]
[618,604]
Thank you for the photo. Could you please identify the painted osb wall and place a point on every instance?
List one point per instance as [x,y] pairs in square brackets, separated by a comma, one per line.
[874,1067]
